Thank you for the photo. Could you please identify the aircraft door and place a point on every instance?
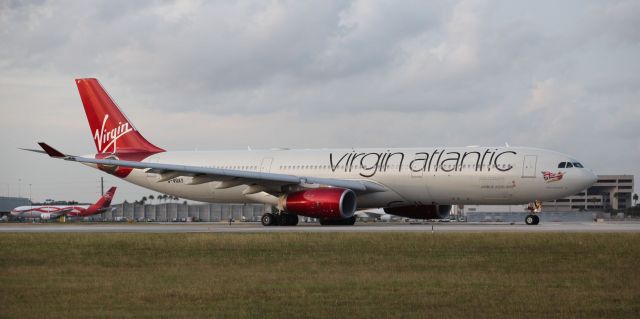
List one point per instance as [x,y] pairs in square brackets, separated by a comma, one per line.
[529,166]
[265,165]
[419,192]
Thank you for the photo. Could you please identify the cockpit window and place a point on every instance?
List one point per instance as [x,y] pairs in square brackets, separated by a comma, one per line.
[576,164]
[569,164]
[562,165]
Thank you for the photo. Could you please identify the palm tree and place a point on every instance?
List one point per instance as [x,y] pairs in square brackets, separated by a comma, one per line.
[143,200]
[635,199]
[151,198]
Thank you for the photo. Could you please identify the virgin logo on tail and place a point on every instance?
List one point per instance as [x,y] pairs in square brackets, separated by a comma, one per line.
[105,139]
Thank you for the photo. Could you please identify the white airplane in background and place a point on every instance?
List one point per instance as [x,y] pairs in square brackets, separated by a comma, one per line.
[374,215]
[329,184]
[46,212]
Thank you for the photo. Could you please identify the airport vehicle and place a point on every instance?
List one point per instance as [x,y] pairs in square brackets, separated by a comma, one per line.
[46,212]
[328,184]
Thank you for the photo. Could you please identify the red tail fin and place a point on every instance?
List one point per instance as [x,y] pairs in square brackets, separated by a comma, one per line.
[111,129]
[102,204]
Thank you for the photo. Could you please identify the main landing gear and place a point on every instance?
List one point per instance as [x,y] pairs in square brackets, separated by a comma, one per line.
[286,219]
[341,222]
[281,219]
[534,208]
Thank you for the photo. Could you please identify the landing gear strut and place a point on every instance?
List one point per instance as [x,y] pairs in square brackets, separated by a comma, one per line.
[534,208]
[282,219]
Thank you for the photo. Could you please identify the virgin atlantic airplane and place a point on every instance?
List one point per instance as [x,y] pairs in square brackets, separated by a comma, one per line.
[46,212]
[328,184]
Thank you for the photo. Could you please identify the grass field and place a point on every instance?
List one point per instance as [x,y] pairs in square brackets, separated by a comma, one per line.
[320,275]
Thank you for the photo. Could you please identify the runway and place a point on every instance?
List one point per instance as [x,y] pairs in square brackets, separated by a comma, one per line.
[584,227]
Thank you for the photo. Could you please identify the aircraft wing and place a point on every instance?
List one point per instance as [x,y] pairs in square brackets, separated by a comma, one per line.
[226,177]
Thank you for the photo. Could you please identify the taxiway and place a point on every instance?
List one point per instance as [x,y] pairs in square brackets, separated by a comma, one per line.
[362,227]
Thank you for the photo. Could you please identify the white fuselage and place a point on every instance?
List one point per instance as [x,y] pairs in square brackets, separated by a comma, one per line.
[412,176]
[47,211]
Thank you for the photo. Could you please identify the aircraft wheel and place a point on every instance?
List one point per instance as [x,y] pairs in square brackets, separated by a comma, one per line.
[529,220]
[267,219]
[285,219]
[338,222]
[536,219]
[350,221]
[292,219]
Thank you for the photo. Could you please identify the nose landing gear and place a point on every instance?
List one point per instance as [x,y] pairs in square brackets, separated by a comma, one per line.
[534,208]
[532,220]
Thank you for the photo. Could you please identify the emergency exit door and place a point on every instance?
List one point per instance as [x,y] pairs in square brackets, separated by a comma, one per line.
[529,166]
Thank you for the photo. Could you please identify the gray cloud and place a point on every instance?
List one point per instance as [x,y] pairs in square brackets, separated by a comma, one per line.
[199,74]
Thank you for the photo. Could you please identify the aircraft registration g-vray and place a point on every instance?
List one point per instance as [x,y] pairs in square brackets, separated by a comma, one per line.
[329,184]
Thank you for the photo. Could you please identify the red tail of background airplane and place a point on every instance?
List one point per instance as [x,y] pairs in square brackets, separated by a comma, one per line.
[111,130]
[102,204]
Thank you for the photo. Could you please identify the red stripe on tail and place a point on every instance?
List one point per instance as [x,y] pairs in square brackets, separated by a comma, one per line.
[102,204]
[111,130]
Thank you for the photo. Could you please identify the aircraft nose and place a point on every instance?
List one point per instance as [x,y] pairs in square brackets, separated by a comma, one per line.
[588,178]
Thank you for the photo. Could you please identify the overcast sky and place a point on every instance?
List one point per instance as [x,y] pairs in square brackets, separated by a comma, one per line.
[560,75]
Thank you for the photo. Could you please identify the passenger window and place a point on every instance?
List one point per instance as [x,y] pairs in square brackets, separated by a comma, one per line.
[569,165]
[562,165]
[576,164]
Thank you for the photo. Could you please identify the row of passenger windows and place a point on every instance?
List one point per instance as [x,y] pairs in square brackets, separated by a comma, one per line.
[450,166]
[236,167]
[569,165]
[339,167]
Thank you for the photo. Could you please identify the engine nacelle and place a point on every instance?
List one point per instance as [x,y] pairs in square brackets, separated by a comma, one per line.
[326,203]
[45,216]
[421,212]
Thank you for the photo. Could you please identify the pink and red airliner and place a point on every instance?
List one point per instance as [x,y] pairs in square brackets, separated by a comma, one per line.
[46,212]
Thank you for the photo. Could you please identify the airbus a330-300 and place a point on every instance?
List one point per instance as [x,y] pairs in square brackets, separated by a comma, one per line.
[328,184]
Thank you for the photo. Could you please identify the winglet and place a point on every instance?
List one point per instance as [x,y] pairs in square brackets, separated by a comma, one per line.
[51,151]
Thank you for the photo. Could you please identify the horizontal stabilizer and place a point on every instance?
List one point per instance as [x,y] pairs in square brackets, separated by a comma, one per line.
[32,150]
[51,151]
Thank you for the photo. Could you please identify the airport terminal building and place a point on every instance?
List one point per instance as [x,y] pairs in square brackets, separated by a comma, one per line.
[182,212]
[9,203]
[609,192]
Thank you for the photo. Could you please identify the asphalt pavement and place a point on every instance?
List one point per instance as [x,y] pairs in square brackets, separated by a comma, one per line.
[238,227]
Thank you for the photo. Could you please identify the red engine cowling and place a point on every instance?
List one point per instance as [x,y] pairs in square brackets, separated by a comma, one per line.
[421,212]
[327,203]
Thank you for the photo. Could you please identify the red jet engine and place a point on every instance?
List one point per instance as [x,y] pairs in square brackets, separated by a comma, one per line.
[326,203]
